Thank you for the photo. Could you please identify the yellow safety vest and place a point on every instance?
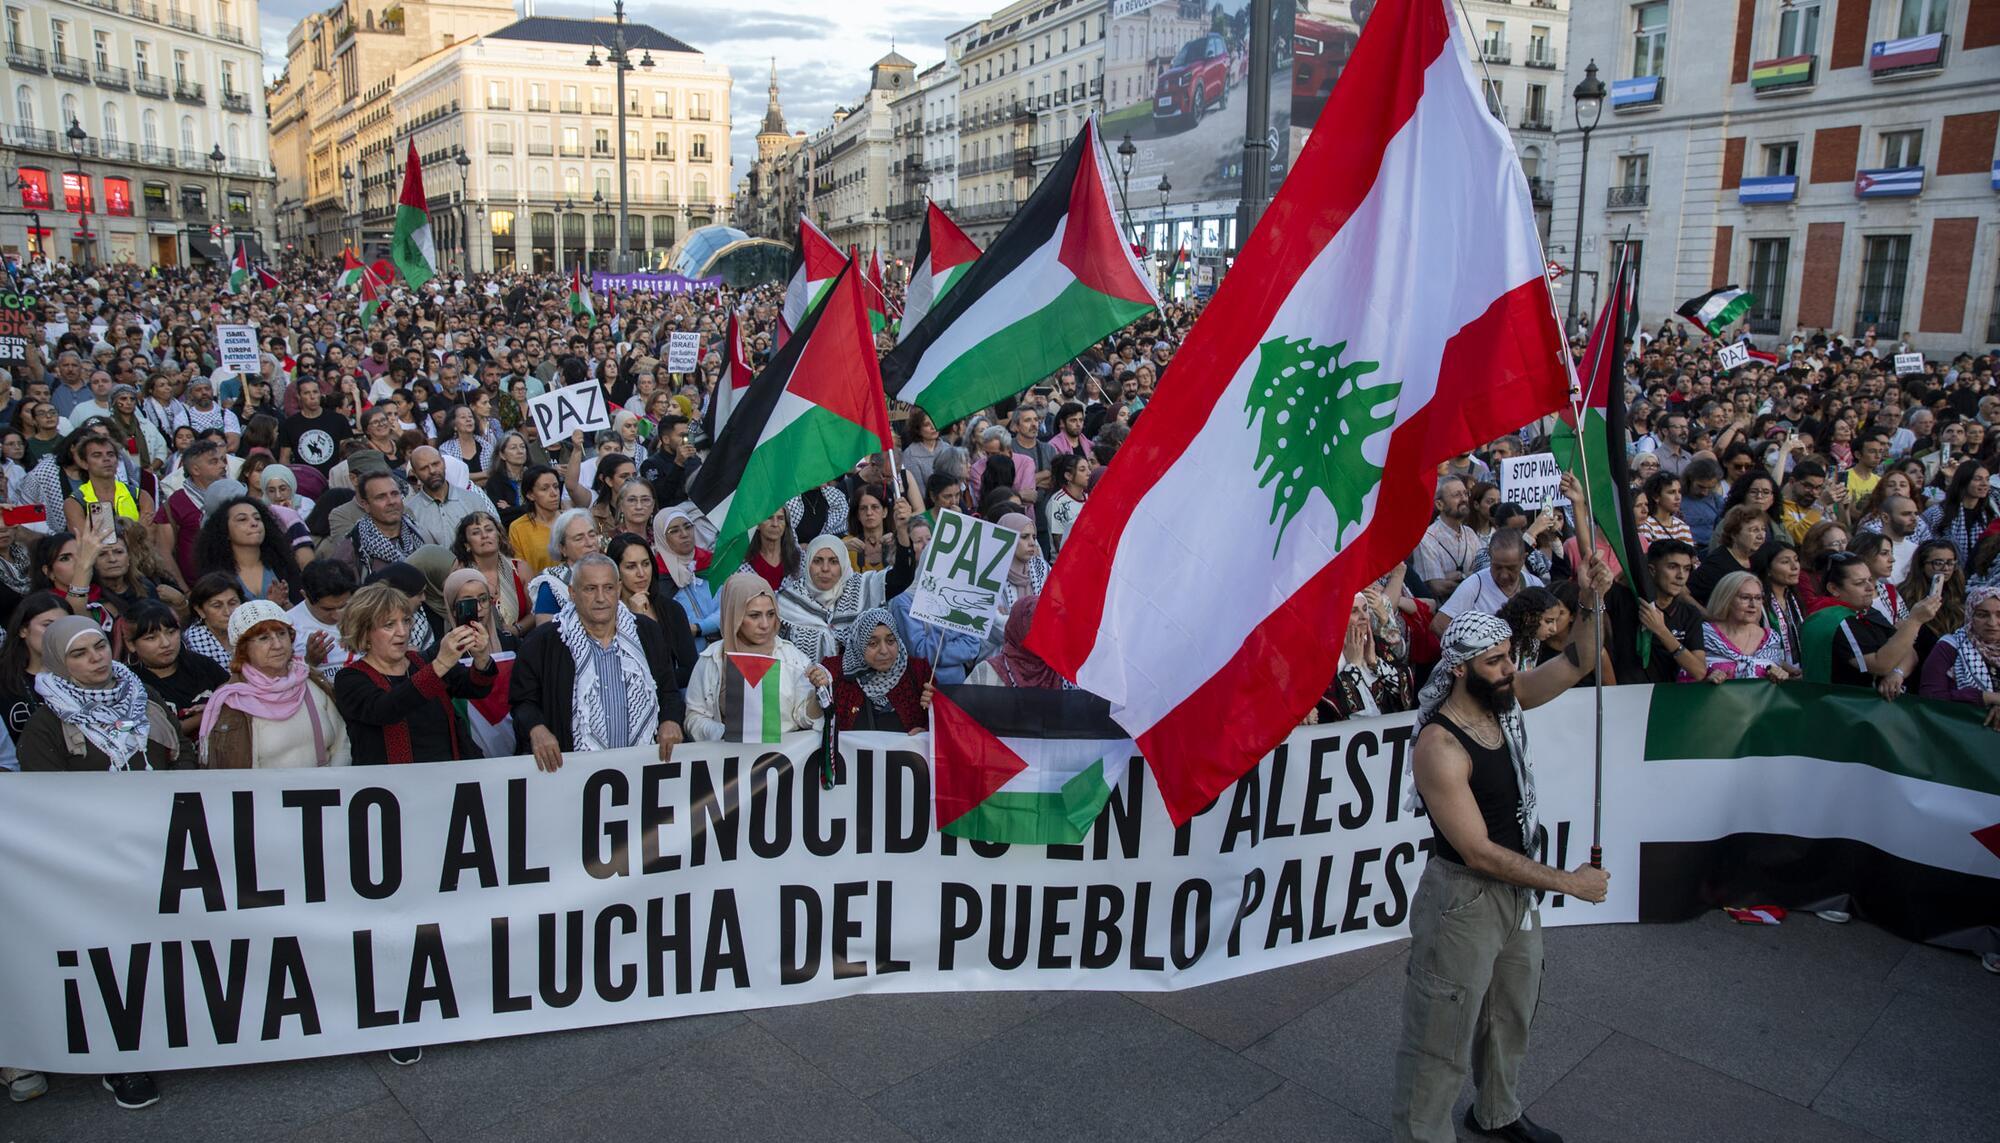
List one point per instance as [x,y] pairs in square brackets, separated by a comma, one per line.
[122,501]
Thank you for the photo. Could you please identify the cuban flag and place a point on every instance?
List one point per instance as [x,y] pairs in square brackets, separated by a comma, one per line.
[1911,51]
[1889,182]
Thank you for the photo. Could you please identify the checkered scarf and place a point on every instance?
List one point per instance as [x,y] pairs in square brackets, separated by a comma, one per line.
[1469,636]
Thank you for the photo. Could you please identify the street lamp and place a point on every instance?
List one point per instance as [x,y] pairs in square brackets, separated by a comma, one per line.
[1166,192]
[347,193]
[464,212]
[590,235]
[562,208]
[215,159]
[76,138]
[1587,101]
[621,62]
[1127,152]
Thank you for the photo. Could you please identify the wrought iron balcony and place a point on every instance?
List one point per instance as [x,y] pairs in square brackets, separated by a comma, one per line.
[24,58]
[190,92]
[70,67]
[112,76]
[1627,197]
[152,85]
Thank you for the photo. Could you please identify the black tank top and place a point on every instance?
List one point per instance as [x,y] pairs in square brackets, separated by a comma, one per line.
[1494,787]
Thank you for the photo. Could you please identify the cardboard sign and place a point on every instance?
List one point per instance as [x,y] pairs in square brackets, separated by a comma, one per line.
[683,352]
[575,408]
[1909,363]
[1533,481]
[958,588]
[1735,355]
[238,348]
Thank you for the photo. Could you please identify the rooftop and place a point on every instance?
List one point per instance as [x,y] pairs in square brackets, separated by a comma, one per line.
[595,33]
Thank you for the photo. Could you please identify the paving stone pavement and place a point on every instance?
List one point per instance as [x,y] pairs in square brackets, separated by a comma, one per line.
[1692,1032]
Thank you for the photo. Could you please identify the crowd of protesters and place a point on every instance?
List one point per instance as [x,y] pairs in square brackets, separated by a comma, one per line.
[364,553]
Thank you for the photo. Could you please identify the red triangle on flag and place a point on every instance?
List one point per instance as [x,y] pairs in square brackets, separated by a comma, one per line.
[1092,248]
[838,370]
[968,764]
[753,667]
[949,245]
[413,181]
[1989,837]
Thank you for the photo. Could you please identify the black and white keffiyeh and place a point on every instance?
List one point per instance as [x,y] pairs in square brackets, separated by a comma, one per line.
[203,642]
[817,622]
[853,664]
[588,719]
[1469,636]
[378,549]
[112,719]
[1974,667]
[836,512]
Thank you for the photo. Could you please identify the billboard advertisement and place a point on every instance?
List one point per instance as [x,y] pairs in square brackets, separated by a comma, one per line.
[1176,73]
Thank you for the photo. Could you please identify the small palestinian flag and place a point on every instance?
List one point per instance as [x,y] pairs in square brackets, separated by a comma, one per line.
[580,304]
[1024,765]
[816,263]
[1058,278]
[735,379]
[752,710]
[374,284]
[410,247]
[944,254]
[239,270]
[1717,310]
[351,269]
[876,297]
[266,280]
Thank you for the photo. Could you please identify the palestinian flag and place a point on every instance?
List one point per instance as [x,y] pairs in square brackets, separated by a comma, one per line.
[580,304]
[490,719]
[410,247]
[239,269]
[1022,765]
[1361,340]
[752,710]
[351,269]
[878,298]
[1717,310]
[735,378]
[1600,461]
[944,254]
[815,410]
[815,264]
[1823,790]
[266,280]
[1055,281]
[374,284]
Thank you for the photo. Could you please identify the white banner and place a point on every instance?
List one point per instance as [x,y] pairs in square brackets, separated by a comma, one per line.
[683,352]
[571,409]
[1909,363]
[236,346]
[192,919]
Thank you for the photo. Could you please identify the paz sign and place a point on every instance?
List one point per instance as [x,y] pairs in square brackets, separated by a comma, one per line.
[964,569]
[572,409]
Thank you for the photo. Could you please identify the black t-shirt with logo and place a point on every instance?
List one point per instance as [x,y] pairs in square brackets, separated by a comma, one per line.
[315,441]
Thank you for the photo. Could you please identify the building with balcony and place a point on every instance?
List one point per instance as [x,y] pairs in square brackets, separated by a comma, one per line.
[132,128]
[1517,51]
[923,166]
[1835,157]
[848,162]
[768,199]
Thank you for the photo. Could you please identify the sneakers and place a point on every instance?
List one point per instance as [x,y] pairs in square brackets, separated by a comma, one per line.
[133,1090]
[404,1057]
[23,1085]
[1834,916]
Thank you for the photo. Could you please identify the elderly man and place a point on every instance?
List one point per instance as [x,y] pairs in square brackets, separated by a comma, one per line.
[1488,589]
[1475,932]
[203,413]
[1449,550]
[435,505]
[72,382]
[598,678]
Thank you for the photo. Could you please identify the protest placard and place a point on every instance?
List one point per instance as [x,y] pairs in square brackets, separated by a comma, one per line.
[237,345]
[17,325]
[1533,481]
[575,408]
[964,568]
[1909,363]
[1735,355]
[683,352]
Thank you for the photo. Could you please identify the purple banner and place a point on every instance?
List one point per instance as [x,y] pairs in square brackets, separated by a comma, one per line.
[605,283]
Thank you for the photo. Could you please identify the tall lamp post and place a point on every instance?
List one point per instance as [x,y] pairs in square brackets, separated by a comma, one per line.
[1587,101]
[590,232]
[464,212]
[621,62]
[1166,192]
[215,159]
[76,138]
[562,209]
[347,193]
[1127,152]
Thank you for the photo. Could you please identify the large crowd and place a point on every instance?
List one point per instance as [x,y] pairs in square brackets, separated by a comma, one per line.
[364,552]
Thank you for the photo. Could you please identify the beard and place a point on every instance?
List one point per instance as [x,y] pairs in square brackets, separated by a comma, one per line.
[1495,697]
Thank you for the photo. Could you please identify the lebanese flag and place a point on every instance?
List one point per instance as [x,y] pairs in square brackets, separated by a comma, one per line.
[815,264]
[1057,279]
[410,247]
[815,410]
[752,708]
[734,380]
[1023,765]
[944,254]
[1383,317]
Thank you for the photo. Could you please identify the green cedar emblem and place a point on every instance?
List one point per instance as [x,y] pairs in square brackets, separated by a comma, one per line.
[1316,416]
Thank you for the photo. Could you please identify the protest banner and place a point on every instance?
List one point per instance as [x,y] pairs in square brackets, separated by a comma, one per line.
[236,345]
[190,918]
[958,588]
[571,409]
[683,352]
[643,283]
[1734,355]
[17,324]
[1909,363]
[1533,481]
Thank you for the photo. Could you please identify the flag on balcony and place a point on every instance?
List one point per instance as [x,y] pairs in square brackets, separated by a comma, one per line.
[1717,310]
[351,269]
[1057,279]
[815,264]
[411,248]
[580,304]
[944,254]
[239,269]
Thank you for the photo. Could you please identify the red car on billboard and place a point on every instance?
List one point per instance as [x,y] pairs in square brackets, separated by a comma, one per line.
[1196,81]
[1319,53]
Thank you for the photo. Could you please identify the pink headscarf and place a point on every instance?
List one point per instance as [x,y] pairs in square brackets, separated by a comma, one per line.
[261,696]
[1017,665]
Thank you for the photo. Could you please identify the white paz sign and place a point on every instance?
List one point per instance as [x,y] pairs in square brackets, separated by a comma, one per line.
[1735,355]
[237,346]
[573,409]
[683,352]
[1533,481]
[965,566]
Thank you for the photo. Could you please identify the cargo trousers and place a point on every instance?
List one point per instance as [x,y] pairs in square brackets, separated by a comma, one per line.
[1474,975]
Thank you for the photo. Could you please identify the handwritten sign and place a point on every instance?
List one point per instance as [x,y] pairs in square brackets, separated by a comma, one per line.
[1909,363]
[683,352]
[965,566]
[574,408]
[17,325]
[238,348]
[1735,355]
[1533,481]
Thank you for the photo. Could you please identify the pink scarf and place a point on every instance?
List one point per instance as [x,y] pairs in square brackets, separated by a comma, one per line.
[261,696]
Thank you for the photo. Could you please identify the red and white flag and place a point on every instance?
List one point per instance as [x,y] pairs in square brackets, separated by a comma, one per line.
[1390,311]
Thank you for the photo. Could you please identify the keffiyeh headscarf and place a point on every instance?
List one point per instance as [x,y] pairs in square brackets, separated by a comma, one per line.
[113,717]
[588,720]
[1469,636]
[1978,662]
[873,683]
[816,619]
